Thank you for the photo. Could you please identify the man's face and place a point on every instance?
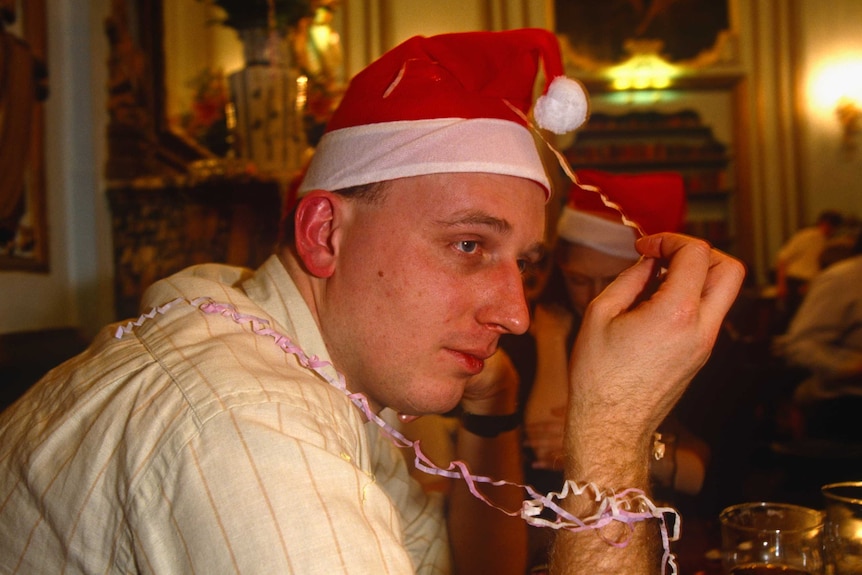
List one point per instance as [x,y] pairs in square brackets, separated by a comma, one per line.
[426,281]
[587,272]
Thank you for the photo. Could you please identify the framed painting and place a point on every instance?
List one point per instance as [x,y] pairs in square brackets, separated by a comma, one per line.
[23,88]
[602,33]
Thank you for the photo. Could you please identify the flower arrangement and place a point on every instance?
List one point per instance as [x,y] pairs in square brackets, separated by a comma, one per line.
[244,14]
[206,121]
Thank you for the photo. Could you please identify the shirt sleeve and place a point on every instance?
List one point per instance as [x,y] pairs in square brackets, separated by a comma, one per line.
[814,338]
[426,537]
[248,496]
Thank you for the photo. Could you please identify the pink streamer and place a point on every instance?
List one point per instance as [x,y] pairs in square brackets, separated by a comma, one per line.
[611,506]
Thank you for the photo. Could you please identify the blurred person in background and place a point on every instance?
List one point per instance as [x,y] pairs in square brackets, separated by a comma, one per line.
[798,261]
[825,340]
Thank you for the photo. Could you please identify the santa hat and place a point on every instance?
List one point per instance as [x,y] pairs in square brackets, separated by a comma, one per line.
[653,201]
[448,103]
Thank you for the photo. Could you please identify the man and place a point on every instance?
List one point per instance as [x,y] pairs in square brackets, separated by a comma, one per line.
[220,433]
[825,340]
[798,260]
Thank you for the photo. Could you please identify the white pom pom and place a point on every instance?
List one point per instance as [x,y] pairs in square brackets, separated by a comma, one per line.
[563,108]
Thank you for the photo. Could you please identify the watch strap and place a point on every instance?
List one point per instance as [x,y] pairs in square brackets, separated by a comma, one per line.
[489,425]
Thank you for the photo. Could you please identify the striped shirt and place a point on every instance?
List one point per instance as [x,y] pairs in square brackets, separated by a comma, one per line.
[193,445]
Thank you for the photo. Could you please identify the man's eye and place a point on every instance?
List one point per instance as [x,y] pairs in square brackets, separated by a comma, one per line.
[468,246]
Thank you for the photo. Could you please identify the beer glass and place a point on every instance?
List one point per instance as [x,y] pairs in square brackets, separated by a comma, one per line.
[844,526]
[771,538]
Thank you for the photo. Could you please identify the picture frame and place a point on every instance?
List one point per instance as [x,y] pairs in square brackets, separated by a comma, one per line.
[601,34]
[23,220]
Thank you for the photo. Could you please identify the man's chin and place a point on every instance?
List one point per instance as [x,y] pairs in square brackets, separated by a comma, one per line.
[439,406]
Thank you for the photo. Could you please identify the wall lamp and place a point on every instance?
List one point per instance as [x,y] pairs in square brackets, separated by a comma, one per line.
[850,116]
[645,69]
[837,88]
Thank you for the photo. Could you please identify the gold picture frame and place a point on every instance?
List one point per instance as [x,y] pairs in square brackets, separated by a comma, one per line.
[600,33]
[23,221]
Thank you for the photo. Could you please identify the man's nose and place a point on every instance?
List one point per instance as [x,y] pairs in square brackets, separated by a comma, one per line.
[507,304]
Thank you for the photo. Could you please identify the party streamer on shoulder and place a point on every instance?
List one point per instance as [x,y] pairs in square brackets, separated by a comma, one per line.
[628,507]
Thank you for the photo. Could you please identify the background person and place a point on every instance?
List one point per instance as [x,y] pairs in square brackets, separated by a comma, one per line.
[825,340]
[798,261]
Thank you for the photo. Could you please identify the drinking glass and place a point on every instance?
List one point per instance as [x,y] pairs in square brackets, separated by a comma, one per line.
[765,538]
[844,526]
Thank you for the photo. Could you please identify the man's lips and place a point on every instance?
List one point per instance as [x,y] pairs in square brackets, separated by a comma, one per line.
[472,363]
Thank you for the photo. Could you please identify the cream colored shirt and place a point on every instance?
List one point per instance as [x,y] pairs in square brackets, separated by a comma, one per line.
[801,253]
[825,336]
[193,445]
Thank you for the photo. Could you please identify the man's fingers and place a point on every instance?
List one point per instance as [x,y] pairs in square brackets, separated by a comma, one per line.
[696,273]
[723,282]
[629,286]
[687,263]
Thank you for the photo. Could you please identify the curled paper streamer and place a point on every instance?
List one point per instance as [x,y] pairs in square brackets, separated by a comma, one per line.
[567,169]
[628,507]
[126,329]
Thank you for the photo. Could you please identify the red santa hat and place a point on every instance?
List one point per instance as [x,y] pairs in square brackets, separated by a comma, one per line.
[653,201]
[448,103]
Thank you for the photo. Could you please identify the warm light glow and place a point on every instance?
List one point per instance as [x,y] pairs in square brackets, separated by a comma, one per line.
[840,79]
[642,72]
[301,92]
[642,97]
[838,87]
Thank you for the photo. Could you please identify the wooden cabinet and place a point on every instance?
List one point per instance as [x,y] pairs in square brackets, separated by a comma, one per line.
[639,142]
[161,227]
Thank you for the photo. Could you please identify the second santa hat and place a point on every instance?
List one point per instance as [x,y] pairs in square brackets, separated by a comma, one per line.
[655,201]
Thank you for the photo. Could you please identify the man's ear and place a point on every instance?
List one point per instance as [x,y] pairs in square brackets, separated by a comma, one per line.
[317,215]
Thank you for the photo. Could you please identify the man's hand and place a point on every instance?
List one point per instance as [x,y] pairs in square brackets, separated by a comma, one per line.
[545,412]
[494,391]
[485,540]
[632,360]
[551,321]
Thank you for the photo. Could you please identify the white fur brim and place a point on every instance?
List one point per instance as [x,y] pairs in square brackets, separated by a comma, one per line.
[598,233]
[378,152]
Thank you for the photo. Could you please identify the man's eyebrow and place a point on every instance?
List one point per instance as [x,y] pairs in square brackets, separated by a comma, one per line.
[476,217]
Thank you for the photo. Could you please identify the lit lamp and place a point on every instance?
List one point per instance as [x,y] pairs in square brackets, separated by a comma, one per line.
[837,88]
[644,70]
[850,115]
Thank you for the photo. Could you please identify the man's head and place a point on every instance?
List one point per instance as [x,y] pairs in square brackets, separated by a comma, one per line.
[595,245]
[829,221]
[422,205]
[413,289]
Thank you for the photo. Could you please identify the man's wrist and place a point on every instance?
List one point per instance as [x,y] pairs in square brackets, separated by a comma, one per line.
[489,425]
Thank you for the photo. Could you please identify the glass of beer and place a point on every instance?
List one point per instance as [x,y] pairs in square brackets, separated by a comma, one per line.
[771,538]
[844,526]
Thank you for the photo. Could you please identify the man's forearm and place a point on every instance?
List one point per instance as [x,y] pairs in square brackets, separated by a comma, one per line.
[612,468]
[484,540]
